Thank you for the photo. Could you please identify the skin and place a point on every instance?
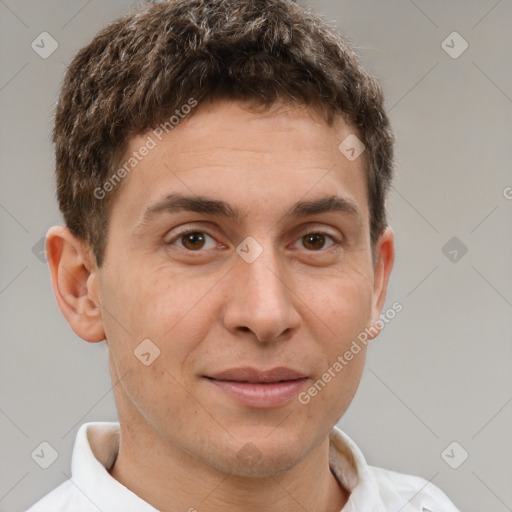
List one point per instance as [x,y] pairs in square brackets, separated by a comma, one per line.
[299,305]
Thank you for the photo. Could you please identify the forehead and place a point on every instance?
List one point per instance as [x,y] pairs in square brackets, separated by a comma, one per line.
[230,152]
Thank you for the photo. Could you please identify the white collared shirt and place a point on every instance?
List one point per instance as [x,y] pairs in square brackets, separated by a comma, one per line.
[91,488]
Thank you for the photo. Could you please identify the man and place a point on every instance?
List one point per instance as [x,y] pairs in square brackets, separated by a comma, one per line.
[222,169]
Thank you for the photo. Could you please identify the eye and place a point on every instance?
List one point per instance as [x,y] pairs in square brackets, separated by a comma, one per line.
[192,240]
[197,241]
[315,241]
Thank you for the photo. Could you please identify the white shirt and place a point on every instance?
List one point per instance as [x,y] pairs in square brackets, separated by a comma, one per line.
[91,488]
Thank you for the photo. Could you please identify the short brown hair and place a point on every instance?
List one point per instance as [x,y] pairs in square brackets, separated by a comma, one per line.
[140,68]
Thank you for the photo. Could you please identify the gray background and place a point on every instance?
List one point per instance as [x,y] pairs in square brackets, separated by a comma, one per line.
[441,370]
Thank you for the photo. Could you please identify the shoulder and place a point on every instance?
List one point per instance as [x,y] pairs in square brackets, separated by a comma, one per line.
[66,497]
[411,492]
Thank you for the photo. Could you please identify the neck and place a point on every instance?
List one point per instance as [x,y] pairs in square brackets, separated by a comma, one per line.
[170,479]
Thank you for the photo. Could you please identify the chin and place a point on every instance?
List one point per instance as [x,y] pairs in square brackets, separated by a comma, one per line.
[262,457]
[265,465]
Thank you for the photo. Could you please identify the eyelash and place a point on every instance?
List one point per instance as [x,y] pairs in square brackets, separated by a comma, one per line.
[179,235]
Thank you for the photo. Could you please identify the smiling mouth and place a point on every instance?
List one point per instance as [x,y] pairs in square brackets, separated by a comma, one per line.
[261,389]
[255,376]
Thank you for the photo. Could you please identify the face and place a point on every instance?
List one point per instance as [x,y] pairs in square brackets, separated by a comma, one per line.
[247,295]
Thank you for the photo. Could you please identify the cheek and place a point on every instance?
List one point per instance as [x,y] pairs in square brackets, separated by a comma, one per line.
[179,313]
[153,373]
[170,310]
[342,304]
[343,300]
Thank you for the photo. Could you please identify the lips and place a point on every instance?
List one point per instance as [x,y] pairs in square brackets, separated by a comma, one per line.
[255,376]
[261,389]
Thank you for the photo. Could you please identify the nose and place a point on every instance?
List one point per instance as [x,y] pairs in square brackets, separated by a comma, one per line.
[261,299]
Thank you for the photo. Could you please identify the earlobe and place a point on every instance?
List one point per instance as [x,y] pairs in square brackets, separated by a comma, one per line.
[75,283]
[385,257]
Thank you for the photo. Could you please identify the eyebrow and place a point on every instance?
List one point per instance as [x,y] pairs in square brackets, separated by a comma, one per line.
[174,203]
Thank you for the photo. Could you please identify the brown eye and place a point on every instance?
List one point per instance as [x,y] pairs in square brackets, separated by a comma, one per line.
[314,241]
[193,241]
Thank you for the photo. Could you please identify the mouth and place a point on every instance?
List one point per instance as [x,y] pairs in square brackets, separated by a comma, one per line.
[259,388]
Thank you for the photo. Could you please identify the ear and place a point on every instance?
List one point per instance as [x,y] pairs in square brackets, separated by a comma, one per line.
[75,281]
[384,259]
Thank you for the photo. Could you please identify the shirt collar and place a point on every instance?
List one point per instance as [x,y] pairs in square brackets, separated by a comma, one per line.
[94,453]
[97,445]
[348,464]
